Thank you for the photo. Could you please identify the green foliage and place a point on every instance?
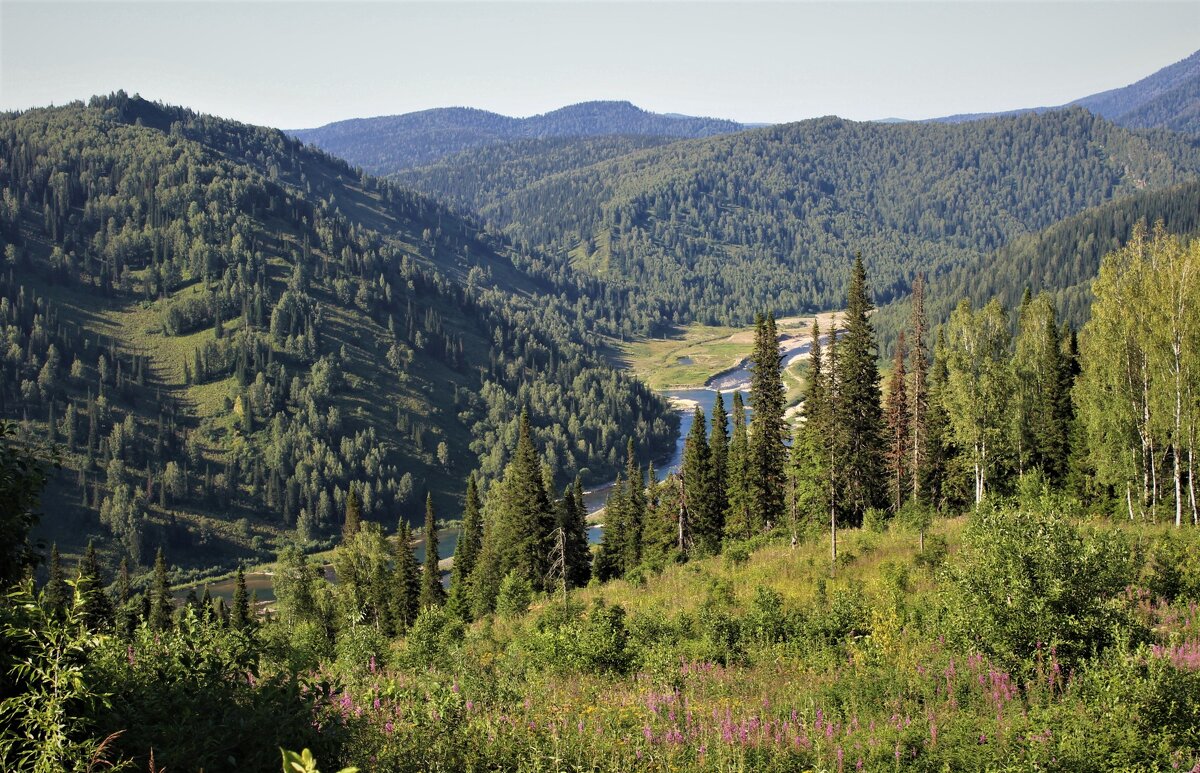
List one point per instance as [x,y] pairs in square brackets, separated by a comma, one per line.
[1030,583]
[22,477]
[304,762]
[514,596]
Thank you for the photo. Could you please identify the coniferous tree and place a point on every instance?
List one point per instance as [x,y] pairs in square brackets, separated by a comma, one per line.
[353,520]
[636,481]
[56,594]
[919,394]
[768,430]
[810,450]
[208,608]
[737,517]
[858,403]
[432,592]
[97,608]
[1042,391]
[937,477]
[239,612]
[161,604]
[126,609]
[466,551]
[898,431]
[518,524]
[406,581]
[610,559]
[572,519]
[718,450]
[700,522]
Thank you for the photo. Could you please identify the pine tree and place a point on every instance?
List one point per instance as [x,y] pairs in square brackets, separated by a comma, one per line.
[768,430]
[97,608]
[718,451]
[919,394]
[161,604]
[899,430]
[126,610]
[610,561]
[517,527]
[858,403]
[57,594]
[700,522]
[353,520]
[737,517]
[466,551]
[406,581]
[573,522]
[239,613]
[810,450]
[432,593]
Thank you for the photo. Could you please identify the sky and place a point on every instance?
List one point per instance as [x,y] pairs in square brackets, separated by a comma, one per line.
[301,64]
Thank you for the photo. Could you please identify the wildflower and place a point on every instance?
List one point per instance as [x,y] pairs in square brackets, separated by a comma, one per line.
[388,727]
[371,664]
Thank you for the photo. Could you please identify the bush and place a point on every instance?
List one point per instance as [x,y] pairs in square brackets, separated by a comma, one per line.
[432,637]
[515,595]
[875,520]
[736,554]
[1027,580]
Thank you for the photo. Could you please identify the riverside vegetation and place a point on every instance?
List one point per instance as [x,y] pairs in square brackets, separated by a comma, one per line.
[819,605]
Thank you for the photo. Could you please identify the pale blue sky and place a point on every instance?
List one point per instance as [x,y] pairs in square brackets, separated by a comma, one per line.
[301,64]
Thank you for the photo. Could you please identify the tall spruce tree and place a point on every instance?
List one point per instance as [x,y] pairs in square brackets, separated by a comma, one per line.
[610,560]
[718,452]
[937,478]
[239,611]
[573,521]
[768,431]
[700,516]
[519,520]
[737,515]
[353,521]
[97,608]
[57,594]
[126,609]
[1041,391]
[810,450]
[432,593]
[161,604]
[635,478]
[919,394]
[466,551]
[899,431]
[859,410]
[406,581]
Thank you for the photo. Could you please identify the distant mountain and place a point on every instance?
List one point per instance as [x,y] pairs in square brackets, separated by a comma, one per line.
[714,229]
[389,144]
[227,331]
[1168,99]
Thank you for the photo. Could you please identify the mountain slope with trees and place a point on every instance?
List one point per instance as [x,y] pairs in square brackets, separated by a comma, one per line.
[712,228]
[390,144]
[231,335]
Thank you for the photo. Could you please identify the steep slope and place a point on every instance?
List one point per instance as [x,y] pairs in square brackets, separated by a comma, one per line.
[1061,260]
[713,229]
[390,144]
[227,332]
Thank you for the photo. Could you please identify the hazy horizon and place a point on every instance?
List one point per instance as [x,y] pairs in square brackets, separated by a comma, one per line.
[303,64]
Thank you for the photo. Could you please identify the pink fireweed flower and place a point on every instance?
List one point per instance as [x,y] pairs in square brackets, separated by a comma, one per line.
[371,664]
[388,727]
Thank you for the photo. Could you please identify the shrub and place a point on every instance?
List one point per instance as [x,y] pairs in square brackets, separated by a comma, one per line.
[1026,580]
[515,595]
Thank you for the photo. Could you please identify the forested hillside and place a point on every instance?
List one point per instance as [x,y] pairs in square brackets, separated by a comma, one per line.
[227,333]
[1061,261]
[389,144]
[711,229]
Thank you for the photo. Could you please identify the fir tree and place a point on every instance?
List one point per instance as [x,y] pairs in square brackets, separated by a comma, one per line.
[126,609]
[518,525]
[239,613]
[768,431]
[353,520]
[406,581]
[898,430]
[718,451]
[97,608]
[810,450]
[572,519]
[161,604]
[631,554]
[919,394]
[737,516]
[466,551]
[701,525]
[610,561]
[858,402]
[57,594]
[937,476]
[432,593]
[1042,386]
